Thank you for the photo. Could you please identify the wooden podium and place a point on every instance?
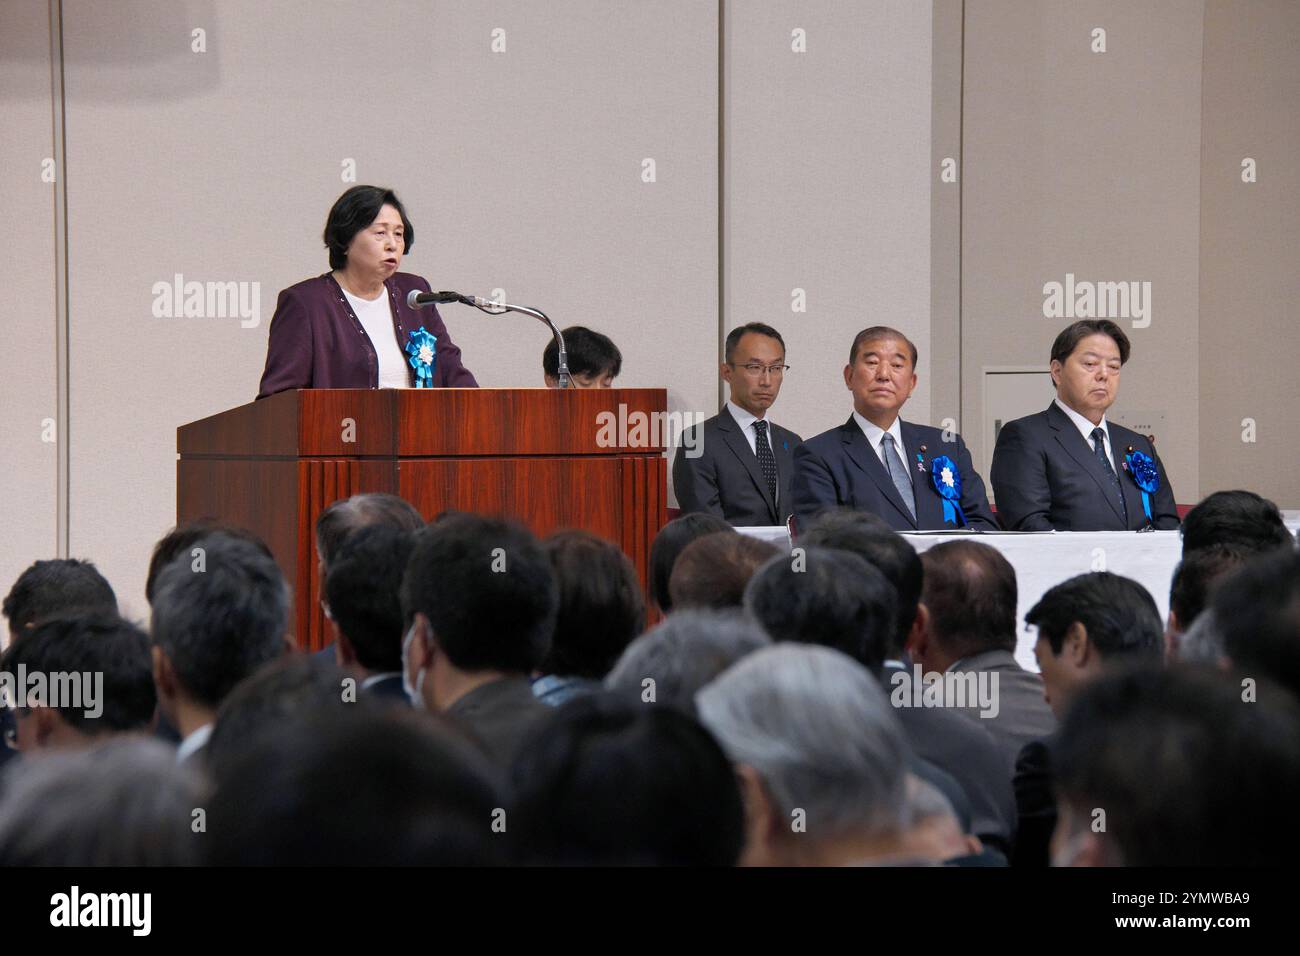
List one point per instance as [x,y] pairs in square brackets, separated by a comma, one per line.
[539,455]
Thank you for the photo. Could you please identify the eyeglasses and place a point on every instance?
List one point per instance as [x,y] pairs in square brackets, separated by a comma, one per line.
[756,371]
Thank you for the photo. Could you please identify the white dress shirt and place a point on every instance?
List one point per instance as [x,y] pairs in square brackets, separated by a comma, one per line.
[875,434]
[1085,429]
[197,739]
[376,317]
[746,422]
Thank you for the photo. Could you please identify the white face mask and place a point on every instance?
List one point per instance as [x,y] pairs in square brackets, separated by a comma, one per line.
[414,693]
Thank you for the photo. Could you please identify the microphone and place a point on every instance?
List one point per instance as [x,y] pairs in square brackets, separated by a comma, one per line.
[416,299]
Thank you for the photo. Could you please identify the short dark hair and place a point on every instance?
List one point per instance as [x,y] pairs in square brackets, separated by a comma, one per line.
[1241,519]
[181,538]
[739,332]
[885,550]
[1119,615]
[827,597]
[346,515]
[56,587]
[878,333]
[363,591]
[1184,768]
[1076,332]
[1257,609]
[608,782]
[97,642]
[713,571]
[487,589]
[292,797]
[356,209]
[588,353]
[668,545]
[1196,577]
[601,608]
[219,622]
[969,590]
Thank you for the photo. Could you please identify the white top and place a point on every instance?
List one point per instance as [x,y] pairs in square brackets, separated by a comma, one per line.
[376,318]
[874,435]
[197,739]
[746,422]
[1085,427]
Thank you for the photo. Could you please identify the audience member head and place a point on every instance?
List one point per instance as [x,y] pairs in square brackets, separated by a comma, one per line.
[1257,609]
[601,608]
[1183,768]
[217,617]
[382,787]
[108,689]
[1090,622]
[820,754]
[126,803]
[934,833]
[713,571]
[969,598]
[1236,519]
[668,545]
[347,515]
[828,597]
[594,360]
[55,588]
[686,651]
[1194,581]
[867,536]
[611,782]
[363,597]
[181,540]
[478,598]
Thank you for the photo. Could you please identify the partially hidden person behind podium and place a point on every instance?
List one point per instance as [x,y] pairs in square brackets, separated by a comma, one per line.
[351,326]
[1067,468]
[737,465]
[594,360]
[916,477]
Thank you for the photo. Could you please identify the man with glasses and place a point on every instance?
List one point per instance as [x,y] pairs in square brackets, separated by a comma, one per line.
[916,477]
[742,466]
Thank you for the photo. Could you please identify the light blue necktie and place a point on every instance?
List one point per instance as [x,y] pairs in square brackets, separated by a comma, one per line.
[898,473]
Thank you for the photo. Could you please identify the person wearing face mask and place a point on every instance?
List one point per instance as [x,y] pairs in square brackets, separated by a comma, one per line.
[1067,468]
[915,477]
[351,327]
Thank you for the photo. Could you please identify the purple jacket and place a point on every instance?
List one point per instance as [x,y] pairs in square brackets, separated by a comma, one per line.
[317,342]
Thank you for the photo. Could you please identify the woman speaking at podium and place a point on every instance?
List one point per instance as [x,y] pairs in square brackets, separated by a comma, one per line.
[351,327]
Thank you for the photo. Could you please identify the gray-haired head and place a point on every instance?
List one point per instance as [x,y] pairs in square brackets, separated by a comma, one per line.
[818,730]
[1202,643]
[682,654]
[220,611]
[125,803]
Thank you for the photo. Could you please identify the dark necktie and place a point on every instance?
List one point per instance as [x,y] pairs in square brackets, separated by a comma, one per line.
[766,461]
[1099,446]
[898,472]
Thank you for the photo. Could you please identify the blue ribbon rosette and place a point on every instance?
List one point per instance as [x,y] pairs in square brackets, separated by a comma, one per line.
[423,349]
[1145,475]
[946,478]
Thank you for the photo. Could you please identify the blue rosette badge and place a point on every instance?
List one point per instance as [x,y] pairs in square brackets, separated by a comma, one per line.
[946,478]
[423,349]
[1145,475]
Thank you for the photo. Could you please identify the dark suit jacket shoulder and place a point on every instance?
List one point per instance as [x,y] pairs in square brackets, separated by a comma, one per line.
[498,715]
[839,469]
[1023,715]
[716,471]
[1046,477]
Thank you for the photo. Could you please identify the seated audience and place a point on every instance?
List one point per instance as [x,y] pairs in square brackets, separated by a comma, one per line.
[601,609]
[937,834]
[182,538]
[1257,614]
[594,360]
[479,601]
[56,587]
[712,571]
[364,605]
[1236,519]
[110,692]
[608,782]
[822,760]
[668,545]
[217,618]
[688,649]
[1160,767]
[1194,581]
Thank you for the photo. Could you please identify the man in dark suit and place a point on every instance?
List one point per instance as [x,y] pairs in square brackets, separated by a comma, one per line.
[1066,469]
[878,462]
[737,464]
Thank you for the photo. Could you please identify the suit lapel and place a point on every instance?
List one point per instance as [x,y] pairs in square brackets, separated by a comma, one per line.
[739,446]
[929,506]
[1078,448]
[861,454]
